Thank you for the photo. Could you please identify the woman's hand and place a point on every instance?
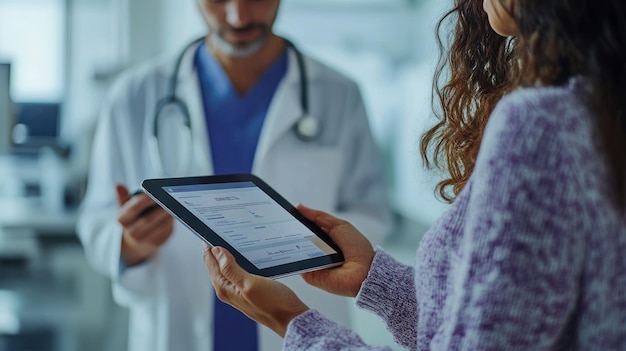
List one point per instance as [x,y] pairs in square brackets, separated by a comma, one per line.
[346,279]
[261,299]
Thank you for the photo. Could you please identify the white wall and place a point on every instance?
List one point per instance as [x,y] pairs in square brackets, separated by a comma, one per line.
[181,23]
[36,52]
[108,36]
[94,50]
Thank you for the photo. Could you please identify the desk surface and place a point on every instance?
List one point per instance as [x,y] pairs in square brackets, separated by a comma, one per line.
[27,213]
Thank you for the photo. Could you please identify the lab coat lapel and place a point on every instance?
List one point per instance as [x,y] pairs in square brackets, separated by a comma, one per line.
[283,112]
[189,91]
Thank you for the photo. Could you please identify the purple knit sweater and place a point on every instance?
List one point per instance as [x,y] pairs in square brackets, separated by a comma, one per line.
[531,255]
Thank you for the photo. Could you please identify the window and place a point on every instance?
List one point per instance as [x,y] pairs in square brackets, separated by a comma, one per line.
[32,38]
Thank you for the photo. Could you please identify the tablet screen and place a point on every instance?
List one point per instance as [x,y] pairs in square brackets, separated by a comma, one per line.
[240,212]
[251,222]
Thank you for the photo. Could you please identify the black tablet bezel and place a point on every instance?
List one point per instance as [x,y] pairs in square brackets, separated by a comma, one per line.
[154,189]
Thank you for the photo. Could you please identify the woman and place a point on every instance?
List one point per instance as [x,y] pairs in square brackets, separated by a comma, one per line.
[531,253]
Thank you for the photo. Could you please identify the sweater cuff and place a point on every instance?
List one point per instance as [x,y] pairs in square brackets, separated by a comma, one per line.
[311,330]
[380,287]
[308,324]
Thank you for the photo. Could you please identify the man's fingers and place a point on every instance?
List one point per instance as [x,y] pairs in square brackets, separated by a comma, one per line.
[148,210]
[136,207]
[163,233]
[145,227]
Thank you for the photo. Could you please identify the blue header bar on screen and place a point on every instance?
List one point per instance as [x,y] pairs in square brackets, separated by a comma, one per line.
[200,187]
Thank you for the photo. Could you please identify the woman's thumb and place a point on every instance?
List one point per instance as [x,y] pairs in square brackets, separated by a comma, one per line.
[228,265]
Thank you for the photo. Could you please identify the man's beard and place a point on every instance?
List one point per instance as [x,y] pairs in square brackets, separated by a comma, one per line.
[232,50]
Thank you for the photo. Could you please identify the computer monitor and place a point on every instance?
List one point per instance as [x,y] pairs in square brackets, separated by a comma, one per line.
[41,119]
[6,109]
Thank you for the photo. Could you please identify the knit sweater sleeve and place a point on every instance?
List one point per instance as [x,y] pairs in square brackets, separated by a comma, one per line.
[522,251]
[388,291]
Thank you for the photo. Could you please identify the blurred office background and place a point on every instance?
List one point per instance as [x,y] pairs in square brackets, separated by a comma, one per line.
[58,59]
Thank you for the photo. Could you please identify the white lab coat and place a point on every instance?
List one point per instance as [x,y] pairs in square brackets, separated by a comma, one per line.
[170,297]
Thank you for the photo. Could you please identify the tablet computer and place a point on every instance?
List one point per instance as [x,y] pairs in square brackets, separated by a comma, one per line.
[240,212]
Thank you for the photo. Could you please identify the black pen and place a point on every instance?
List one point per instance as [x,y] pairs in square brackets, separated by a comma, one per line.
[137,192]
[147,209]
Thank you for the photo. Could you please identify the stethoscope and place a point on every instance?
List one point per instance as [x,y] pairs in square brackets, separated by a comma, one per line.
[307,128]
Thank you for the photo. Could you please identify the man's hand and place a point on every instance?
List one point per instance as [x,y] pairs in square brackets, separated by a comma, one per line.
[146,226]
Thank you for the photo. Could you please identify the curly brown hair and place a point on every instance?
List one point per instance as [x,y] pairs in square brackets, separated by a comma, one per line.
[557,39]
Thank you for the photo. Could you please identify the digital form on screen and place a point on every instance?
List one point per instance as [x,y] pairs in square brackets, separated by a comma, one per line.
[251,222]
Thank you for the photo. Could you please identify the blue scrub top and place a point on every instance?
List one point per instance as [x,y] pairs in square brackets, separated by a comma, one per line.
[234,122]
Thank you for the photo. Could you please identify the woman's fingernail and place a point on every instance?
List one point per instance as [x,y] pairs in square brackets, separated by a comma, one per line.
[217,252]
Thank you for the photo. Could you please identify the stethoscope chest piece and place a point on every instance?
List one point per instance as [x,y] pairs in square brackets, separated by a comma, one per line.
[308,128]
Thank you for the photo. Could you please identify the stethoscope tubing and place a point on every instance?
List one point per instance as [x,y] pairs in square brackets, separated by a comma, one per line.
[307,128]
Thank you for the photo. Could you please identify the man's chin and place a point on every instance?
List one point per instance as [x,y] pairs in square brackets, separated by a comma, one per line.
[238,49]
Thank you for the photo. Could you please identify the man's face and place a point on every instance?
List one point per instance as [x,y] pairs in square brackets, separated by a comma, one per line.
[239,27]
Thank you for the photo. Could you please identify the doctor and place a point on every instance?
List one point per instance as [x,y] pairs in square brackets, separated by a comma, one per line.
[240,100]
